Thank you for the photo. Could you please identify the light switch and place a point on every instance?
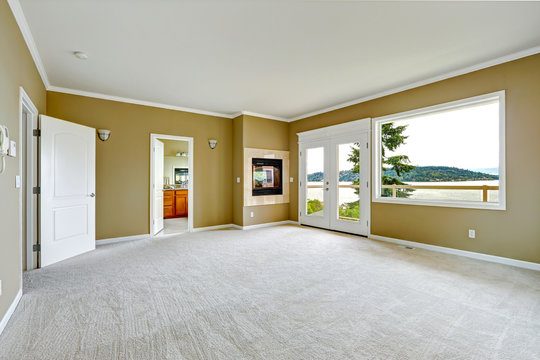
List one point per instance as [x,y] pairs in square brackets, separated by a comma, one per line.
[238,180]
[17,181]
[12,148]
[291,179]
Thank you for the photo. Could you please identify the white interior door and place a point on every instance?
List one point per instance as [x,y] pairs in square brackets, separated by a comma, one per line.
[158,154]
[67,153]
[334,178]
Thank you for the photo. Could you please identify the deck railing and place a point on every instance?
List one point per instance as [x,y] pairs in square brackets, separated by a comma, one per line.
[394,188]
[484,188]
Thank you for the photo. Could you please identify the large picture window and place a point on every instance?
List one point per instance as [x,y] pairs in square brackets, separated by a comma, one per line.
[445,155]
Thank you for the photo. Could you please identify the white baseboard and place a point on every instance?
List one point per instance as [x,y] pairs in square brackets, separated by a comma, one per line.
[215,227]
[263,225]
[469,254]
[122,239]
[249,227]
[10,311]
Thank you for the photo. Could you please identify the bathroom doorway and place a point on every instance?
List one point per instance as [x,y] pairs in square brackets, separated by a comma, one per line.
[171,185]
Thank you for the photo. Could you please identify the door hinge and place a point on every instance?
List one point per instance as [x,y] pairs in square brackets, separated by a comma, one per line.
[367,223]
[300,183]
[367,183]
[36,132]
[367,145]
[36,190]
[36,247]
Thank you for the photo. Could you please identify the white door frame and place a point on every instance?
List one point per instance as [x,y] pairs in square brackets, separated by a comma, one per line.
[27,210]
[154,137]
[329,134]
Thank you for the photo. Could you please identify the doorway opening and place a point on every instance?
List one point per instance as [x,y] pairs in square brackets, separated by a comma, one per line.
[171,184]
[27,181]
[334,170]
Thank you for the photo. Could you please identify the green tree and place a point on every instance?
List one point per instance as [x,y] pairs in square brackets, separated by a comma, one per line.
[391,138]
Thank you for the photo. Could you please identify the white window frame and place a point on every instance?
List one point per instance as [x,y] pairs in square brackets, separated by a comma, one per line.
[376,133]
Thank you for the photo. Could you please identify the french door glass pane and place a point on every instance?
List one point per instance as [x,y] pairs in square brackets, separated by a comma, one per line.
[315,181]
[348,175]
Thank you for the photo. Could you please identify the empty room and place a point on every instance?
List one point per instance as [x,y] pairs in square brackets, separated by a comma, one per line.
[265,179]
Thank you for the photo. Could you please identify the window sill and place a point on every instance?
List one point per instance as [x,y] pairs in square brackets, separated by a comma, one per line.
[438,203]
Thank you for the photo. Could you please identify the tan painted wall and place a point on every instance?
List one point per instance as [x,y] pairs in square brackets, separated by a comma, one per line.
[16,69]
[514,233]
[122,209]
[263,133]
[256,132]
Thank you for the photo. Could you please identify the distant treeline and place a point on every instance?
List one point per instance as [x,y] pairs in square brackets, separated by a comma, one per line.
[419,174]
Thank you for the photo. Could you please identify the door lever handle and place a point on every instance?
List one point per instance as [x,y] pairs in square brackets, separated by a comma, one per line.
[92,195]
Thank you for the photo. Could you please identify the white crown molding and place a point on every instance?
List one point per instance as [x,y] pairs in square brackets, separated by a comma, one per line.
[29,39]
[250,113]
[27,35]
[469,69]
[135,101]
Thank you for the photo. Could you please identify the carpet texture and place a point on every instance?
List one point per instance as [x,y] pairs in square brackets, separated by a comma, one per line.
[284,292]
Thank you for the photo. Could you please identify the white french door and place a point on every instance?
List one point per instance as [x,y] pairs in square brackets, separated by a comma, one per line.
[334,179]
[68,186]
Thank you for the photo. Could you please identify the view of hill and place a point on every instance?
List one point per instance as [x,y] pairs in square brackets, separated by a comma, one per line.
[420,174]
[491,171]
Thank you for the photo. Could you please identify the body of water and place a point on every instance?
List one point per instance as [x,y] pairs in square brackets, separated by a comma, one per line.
[348,195]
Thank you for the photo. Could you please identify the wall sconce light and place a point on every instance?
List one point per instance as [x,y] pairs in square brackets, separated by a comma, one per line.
[104,134]
[212,143]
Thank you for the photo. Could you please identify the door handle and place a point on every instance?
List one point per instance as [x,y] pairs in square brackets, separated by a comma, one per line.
[326,189]
[92,195]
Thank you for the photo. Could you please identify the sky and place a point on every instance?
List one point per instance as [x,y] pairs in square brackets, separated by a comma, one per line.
[467,138]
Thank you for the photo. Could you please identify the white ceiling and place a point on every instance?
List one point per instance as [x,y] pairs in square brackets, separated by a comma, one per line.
[282,58]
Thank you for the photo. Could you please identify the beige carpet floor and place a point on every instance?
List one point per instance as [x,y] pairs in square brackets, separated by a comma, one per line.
[285,292]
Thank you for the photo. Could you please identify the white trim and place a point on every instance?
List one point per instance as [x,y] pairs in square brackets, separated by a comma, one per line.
[27,35]
[215,227]
[191,170]
[10,311]
[376,153]
[333,131]
[249,227]
[448,75]
[263,225]
[135,101]
[122,239]
[469,254]
[26,102]
[250,113]
[18,13]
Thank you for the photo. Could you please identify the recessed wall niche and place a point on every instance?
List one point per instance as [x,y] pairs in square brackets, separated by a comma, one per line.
[266,174]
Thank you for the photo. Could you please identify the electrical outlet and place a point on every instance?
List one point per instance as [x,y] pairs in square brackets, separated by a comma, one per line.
[251,214]
[472,233]
[291,179]
[238,180]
